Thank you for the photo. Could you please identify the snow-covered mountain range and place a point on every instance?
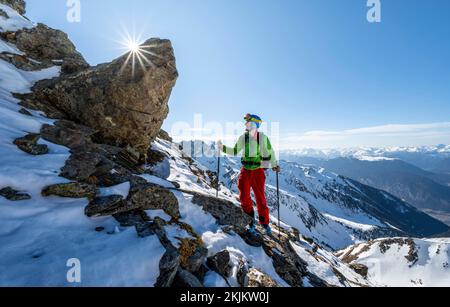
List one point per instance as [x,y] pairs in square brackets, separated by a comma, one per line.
[435,159]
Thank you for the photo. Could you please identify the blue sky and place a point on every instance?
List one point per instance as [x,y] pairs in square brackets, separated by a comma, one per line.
[329,77]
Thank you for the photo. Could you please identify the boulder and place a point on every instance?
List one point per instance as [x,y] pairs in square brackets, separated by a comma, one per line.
[13,195]
[71,190]
[126,105]
[29,145]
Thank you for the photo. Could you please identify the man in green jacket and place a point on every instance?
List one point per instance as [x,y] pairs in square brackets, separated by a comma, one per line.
[258,155]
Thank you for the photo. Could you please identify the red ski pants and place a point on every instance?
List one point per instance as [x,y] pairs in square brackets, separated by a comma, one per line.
[255,180]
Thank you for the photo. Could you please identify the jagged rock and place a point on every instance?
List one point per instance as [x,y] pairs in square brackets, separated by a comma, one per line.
[185,279]
[225,212]
[126,109]
[286,261]
[287,270]
[132,218]
[258,279]
[46,45]
[71,190]
[29,144]
[361,269]
[168,268]
[18,5]
[220,263]
[67,133]
[148,196]
[105,206]
[81,165]
[13,195]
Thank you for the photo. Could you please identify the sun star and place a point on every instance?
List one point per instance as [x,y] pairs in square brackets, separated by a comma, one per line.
[137,53]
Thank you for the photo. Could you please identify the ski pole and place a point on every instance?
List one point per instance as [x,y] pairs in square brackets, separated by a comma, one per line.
[218,173]
[278,200]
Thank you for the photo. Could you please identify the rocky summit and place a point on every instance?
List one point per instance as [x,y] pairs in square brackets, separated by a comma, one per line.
[126,105]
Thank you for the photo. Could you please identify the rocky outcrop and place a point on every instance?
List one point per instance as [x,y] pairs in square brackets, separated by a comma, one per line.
[29,144]
[226,213]
[18,5]
[126,105]
[49,47]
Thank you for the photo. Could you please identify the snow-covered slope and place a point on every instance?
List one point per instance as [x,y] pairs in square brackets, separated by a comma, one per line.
[399,262]
[334,210]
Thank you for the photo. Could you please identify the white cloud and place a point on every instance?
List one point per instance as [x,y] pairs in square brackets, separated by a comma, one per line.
[378,136]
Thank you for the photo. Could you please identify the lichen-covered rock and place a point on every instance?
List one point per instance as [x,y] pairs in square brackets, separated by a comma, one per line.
[71,190]
[148,196]
[13,195]
[29,144]
[18,5]
[126,106]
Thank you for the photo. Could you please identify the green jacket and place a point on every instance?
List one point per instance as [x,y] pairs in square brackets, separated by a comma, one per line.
[258,153]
